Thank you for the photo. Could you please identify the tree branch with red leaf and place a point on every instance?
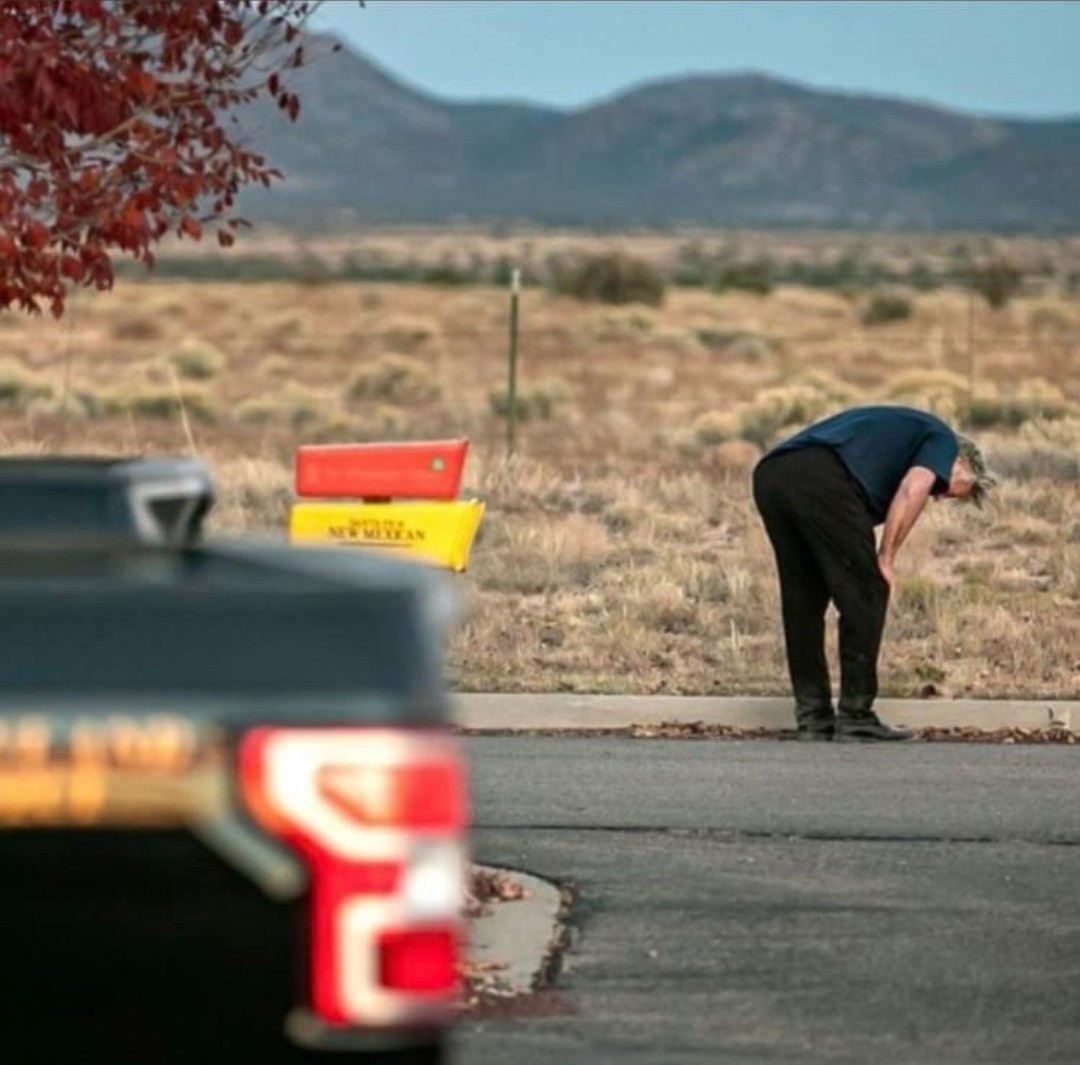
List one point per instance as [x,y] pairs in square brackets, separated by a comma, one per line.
[112,129]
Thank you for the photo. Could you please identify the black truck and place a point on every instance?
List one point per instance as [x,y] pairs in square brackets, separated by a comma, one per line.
[232,814]
[148,500]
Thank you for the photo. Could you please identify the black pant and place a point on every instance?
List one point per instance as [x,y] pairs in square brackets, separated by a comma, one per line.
[823,537]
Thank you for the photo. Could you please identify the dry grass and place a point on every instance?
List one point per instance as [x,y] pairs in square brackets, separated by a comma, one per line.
[620,551]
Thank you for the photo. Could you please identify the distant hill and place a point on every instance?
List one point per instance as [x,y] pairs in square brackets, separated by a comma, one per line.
[727,150]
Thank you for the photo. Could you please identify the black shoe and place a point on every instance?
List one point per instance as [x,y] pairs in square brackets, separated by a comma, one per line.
[815,733]
[814,718]
[867,728]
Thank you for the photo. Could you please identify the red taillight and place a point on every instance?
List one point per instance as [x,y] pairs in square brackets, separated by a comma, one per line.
[421,960]
[427,797]
[379,815]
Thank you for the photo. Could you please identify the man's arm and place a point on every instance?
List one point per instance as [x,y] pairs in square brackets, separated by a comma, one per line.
[904,511]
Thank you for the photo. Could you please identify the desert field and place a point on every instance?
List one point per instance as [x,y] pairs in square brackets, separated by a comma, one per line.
[620,551]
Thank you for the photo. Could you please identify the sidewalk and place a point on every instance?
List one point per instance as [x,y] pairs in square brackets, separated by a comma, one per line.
[499,712]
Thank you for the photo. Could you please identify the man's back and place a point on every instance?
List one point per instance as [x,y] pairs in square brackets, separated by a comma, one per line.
[878,445]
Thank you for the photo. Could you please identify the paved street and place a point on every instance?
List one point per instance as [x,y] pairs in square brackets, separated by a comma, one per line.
[786,903]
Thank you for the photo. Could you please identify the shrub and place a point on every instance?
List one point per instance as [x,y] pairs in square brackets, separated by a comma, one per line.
[294,405]
[715,427]
[257,412]
[610,277]
[393,378]
[739,344]
[884,307]
[1021,462]
[777,409]
[693,265]
[922,277]
[940,391]
[536,403]
[383,422]
[997,282]
[629,324]
[165,404]
[917,597]
[448,274]
[137,327]
[20,386]
[915,384]
[829,387]
[313,270]
[198,364]
[663,606]
[985,412]
[755,277]
[407,332]
[1038,449]
[1037,400]
[734,456]
[676,340]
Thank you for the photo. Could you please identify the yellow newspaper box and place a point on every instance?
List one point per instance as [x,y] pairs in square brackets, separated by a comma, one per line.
[433,531]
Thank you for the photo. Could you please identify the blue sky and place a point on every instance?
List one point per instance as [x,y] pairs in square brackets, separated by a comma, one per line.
[1001,58]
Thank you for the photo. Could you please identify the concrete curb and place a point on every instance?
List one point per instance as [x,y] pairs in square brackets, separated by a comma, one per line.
[517,935]
[497,712]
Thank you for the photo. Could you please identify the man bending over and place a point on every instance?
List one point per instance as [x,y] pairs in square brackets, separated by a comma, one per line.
[821,493]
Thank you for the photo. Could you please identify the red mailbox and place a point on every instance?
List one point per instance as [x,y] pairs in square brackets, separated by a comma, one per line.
[426,469]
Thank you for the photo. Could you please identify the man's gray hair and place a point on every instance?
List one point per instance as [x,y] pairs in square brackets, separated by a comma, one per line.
[984,478]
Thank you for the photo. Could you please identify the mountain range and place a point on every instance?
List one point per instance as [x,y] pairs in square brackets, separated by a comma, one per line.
[724,150]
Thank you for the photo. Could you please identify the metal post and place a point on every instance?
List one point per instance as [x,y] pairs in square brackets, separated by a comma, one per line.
[971,349]
[511,386]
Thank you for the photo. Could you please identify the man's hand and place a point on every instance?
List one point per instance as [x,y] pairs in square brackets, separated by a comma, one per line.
[887,571]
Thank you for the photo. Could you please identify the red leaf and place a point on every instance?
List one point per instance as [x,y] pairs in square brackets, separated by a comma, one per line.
[234,33]
[191,227]
[73,268]
[131,216]
[147,83]
[37,235]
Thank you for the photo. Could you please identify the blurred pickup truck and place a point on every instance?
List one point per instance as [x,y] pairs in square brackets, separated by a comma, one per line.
[232,815]
[152,500]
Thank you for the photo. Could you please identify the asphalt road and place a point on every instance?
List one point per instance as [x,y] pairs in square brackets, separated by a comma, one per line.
[786,903]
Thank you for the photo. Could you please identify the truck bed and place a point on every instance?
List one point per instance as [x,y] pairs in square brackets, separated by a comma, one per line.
[238,633]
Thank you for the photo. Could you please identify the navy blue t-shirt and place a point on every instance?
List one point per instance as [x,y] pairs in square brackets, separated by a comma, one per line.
[879,445]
